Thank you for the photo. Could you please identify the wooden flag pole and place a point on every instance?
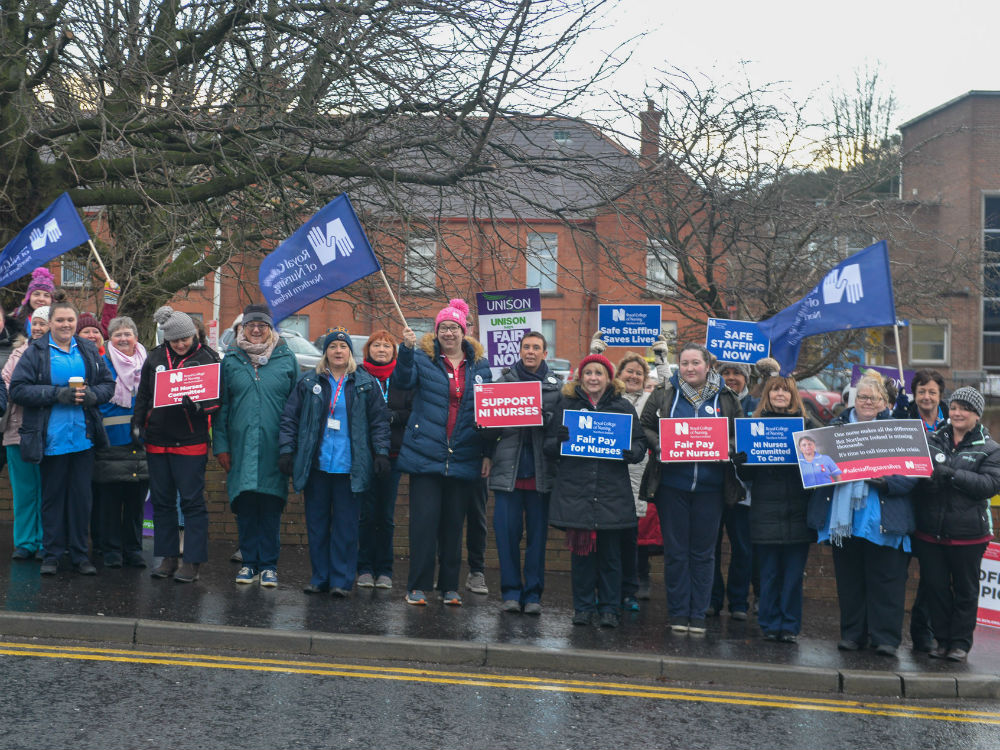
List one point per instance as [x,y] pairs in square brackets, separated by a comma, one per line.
[98,259]
[393,298]
[899,357]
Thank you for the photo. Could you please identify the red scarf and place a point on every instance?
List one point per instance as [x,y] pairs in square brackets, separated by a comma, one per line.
[381,372]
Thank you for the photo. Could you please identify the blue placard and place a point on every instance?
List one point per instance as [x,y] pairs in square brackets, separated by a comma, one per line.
[768,441]
[739,341]
[629,325]
[596,434]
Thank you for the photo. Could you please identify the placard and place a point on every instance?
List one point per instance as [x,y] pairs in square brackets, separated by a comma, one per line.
[504,318]
[768,440]
[739,341]
[694,439]
[863,450]
[200,383]
[508,404]
[629,325]
[891,373]
[596,434]
[989,587]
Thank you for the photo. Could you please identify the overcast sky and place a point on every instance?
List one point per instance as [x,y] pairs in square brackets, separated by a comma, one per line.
[929,52]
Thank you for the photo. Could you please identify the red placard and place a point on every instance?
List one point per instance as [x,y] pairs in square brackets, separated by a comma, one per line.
[200,383]
[509,404]
[694,439]
[989,587]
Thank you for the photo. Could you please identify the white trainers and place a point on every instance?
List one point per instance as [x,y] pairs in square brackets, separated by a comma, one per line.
[246,575]
[476,583]
[383,582]
[366,581]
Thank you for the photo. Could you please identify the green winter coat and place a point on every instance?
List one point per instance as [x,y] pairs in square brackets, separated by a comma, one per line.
[246,426]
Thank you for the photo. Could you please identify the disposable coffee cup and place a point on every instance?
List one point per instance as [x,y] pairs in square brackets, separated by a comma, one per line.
[76,382]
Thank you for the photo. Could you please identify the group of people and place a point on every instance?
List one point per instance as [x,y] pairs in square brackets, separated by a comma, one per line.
[345,432]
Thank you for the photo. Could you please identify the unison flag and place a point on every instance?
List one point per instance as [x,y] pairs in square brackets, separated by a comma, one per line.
[325,254]
[855,294]
[55,231]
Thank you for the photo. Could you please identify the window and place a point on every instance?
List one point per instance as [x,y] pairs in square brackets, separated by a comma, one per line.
[297,323]
[421,265]
[549,332]
[542,261]
[562,137]
[661,268]
[991,283]
[75,273]
[421,326]
[929,343]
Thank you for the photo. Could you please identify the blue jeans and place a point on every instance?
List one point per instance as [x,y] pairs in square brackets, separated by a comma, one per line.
[378,524]
[689,522]
[780,597]
[258,520]
[515,510]
[332,515]
[169,475]
[600,572]
[736,521]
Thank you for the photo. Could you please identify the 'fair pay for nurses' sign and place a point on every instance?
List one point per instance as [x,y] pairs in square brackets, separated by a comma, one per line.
[629,325]
[508,404]
[737,341]
[200,383]
[694,439]
[596,434]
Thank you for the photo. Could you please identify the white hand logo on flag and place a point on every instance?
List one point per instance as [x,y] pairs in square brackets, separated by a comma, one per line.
[37,239]
[52,230]
[326,245]
[50,233]
[848,280]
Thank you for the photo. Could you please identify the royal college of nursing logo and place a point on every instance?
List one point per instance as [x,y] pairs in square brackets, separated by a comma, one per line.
[845,281]
[326,245]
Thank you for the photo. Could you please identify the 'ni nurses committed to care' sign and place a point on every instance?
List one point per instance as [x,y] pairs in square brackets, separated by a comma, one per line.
[629,325]
[739,341]
[508,404]
[694,439]
[596,434]
[200,383]
[768,441]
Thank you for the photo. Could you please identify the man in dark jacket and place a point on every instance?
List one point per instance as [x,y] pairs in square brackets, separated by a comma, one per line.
[521,479]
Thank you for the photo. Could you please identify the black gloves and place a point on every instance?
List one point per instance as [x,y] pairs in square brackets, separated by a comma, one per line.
[89,398]
[631,457]
[902,400]
[738,459]
[194,407]
[879,484]
[563,433]
[66,395]
[943,472]
[382,465]
[286,463]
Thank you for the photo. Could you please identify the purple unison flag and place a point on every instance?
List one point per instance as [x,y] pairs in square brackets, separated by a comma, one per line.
[55,231]
[855,294]
[325,254]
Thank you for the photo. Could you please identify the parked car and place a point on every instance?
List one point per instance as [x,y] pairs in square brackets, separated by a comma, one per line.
[819,401]
[307,355]
[558,366]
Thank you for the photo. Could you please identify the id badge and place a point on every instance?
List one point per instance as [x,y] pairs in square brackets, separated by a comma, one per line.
[332,424]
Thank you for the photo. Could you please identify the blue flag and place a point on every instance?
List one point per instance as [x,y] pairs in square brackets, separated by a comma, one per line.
[855,294]
[54,231]
[325,254]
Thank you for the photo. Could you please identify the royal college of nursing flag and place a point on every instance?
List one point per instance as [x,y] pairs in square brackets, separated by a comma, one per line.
[325,254]
[855,294]
[55,231]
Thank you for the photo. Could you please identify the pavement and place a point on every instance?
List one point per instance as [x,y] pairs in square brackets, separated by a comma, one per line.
[126,606]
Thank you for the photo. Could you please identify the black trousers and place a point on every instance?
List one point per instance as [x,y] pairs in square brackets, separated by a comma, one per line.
[921,631]
[66,502]
[437,513]
[951,577]
[597,577]
[871,589]
[476,527]
[121,506]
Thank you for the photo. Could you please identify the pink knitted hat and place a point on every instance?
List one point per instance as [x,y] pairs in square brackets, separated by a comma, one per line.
[41,279]
[457,311]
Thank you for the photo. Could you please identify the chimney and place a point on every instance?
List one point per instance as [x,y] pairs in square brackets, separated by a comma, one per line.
[649,131]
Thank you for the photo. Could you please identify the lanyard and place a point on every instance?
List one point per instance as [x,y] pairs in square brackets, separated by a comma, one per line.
[385,391]
[336,394]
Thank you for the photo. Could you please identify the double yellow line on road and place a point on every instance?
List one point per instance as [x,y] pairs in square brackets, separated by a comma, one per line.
[509,682]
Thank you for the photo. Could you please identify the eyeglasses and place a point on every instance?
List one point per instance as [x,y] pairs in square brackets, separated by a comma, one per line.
[868,399]
[256,326]
[449,329]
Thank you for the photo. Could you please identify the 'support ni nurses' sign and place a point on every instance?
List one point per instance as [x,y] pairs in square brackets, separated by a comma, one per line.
[768,441]
[863,450]
[739,341]
[508,404]
[989,587]
[629,325]
[596,434]
[200,383]
[694,439]
[504,318]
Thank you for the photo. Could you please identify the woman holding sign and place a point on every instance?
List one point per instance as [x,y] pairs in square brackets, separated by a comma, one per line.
[176,439]
[868,523]
[592,497]
[689,496]
[953,522]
